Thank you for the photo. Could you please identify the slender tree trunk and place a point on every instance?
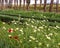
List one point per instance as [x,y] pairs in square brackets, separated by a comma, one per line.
[9,4]
[28,3]
[35,5]
[0,4]
[51,6]
[13,5]
[20,3]
[44,5]
[0,1]
[17,2]
[6,3]
[3,4]
[23,4]
[40,4]
[57,3]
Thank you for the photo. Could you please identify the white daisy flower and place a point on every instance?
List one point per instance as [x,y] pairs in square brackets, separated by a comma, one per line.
[35,30]
[30,40]
[38,29]
[47,45]
[50,34]
[4,27]
[16,29]
[15,23]
[32,26]
[59,44]
[39,43]
[33,38]
[3,22]
[41,27]
[48,37]
[9,35]
[57,27]
[32,21]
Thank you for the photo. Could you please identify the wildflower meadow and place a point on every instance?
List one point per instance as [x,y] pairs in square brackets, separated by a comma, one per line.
[35,30]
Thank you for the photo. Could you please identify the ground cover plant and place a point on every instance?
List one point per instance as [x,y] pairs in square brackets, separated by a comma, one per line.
[29,33]
[30,14]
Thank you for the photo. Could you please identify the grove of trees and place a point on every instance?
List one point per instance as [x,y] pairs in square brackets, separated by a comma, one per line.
[2,4]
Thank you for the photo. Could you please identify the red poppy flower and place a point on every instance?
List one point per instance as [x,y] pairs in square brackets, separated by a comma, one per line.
[15,37]
[10,30]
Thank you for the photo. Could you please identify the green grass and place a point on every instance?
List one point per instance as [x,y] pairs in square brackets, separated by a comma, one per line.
[31,14]
[30,32]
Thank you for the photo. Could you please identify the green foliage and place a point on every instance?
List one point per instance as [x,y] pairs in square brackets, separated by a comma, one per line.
[31,14]
[32,33]
[29,29]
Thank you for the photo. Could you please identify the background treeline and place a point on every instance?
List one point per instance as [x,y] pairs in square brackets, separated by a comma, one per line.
[27,6]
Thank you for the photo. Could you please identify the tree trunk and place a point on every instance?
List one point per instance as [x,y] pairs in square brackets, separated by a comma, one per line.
[40,4]
[0,4]
[23,4]
[3,4]
[17,3]
[28,3]
[6,5]
[35,5]
[44,5]
[20,3]
[57,2]
[51,6]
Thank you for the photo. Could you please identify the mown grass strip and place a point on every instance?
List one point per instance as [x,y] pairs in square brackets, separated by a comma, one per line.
[34,17]
[52,17]
[8,17]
